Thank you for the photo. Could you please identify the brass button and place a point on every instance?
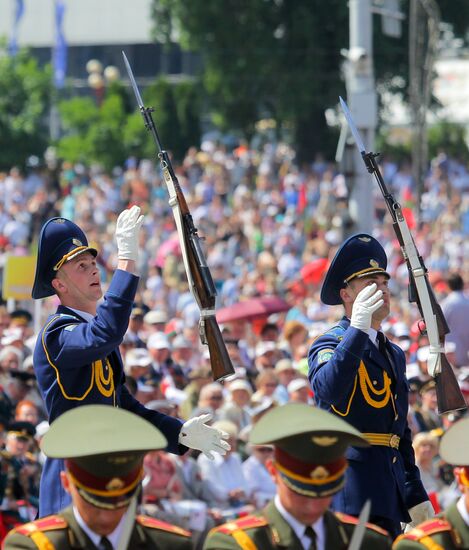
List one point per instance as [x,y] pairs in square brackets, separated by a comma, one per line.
[395,397]
[375,382]
[394,459]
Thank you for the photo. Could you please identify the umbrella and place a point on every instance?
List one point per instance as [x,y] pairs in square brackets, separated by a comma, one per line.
[313,271]
[169,247]
[253,308]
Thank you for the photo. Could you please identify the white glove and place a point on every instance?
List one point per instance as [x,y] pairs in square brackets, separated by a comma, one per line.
[197,435]
[366,303]
[127,228]
[419,513]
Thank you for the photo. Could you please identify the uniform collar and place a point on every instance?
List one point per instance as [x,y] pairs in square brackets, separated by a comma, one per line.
[297,527]
[95,538]
[84,314]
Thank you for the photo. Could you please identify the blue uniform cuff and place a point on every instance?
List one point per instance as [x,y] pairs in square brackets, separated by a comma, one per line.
[124,285]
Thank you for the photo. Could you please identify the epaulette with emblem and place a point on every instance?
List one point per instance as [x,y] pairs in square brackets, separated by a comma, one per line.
[336,331]
[345,518]
[427,528]
[248,522]
[153,523]
[48,523]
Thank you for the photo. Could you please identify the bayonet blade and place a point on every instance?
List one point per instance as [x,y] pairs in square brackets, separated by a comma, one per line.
[132,81]
[353,128]
[360,528]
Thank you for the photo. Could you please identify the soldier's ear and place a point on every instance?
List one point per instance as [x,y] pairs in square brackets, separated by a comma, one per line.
[65,481]
[346,295]
[269,464]
[58,285]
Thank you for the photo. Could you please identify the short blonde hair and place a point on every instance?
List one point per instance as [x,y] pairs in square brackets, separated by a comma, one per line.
[425,437]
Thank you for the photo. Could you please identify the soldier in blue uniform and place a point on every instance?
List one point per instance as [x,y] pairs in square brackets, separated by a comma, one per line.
[76,358]
[360,376]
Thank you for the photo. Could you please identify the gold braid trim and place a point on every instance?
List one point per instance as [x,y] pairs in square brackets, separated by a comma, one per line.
[100,379]
[62,389]
[41,541]
[243,539]
[366,385]
[347,410]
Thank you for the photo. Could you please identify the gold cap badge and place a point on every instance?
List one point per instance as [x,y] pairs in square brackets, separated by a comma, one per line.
[115,484]
[319,473]
[324,441]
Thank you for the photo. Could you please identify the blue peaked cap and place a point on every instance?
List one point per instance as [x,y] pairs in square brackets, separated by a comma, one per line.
[359,256]
[60,241]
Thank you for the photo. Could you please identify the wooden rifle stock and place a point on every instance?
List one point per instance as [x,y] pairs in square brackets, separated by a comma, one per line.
[448,392]
[220,361]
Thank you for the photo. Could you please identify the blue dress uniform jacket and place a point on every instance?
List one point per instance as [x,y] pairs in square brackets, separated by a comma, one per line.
[78,363]
[352,379]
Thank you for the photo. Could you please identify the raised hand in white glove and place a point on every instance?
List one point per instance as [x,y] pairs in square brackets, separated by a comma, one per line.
[127,228]
[368,300]
[197,435]
[419,513]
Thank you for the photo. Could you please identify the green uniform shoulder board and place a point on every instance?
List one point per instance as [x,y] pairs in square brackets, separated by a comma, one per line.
[44,524]
[153,523]
[247,522]
[427,528]
[351,520]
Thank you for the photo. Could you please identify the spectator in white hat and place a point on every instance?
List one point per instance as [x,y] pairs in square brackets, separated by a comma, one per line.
[154,321]
[298,391]
[267,355]
[137,363]
[285,373]
[159,348]
[236,409]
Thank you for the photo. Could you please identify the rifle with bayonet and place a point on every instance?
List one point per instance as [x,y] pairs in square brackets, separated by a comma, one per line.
[198,273]
[449,395]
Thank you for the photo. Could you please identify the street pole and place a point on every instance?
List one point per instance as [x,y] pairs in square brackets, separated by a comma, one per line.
[361,98]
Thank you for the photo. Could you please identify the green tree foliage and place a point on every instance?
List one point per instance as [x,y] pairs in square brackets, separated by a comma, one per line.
[25,93]
[113,130]
[450,138]
[280,58]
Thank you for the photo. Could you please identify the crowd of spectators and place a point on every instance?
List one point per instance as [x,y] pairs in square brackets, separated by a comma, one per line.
[264,220]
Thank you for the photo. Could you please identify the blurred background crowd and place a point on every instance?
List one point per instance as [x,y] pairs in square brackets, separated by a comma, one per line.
[270,228]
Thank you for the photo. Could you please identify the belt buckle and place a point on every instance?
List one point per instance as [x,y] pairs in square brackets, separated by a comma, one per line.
[394,441]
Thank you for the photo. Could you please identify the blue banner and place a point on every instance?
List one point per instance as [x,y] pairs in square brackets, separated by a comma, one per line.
[59,57]
[13,44]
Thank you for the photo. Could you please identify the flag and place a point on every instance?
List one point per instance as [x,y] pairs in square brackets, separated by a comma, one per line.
[13,45]
[59,55]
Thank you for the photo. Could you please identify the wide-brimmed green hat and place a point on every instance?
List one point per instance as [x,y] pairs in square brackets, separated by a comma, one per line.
[310,446]
[103,448]
[454,444]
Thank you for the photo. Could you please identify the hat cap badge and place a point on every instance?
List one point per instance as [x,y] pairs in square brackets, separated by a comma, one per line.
[324,441]
[374,263]
[77,242]
[364,239]
[319,473]
[115,484]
